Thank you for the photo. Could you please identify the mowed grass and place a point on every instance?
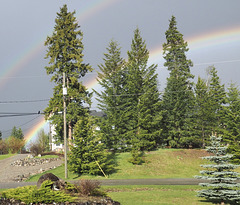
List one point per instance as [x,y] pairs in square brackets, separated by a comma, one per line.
[155,195]
[163,163]
[4,156]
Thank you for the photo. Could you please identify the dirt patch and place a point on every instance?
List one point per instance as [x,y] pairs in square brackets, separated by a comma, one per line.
[190,153]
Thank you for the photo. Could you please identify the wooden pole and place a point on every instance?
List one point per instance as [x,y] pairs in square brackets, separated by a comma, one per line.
[65,125]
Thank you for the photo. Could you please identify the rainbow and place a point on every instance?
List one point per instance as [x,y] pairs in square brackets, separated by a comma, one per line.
[32,134]
[197,42]
[19,62]
[89,10]
[219,37]
[205,40]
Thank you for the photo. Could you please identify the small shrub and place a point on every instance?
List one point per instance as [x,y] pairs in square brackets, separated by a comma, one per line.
[14,145]
[36,149]
[89,188]
[3,147]
[31,194]
[137,157]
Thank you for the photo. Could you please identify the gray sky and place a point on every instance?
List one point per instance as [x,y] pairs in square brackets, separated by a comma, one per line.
[211,28]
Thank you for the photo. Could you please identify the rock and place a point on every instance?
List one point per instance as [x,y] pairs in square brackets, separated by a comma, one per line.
[57,183]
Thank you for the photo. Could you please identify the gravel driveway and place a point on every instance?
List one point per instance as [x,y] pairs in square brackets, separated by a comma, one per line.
[8,172]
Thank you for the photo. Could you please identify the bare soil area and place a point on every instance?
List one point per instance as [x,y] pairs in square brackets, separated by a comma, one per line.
[9,173]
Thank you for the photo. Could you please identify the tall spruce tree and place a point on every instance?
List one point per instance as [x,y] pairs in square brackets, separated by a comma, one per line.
[111,98]
[222,187]
[217,97]
[65,53]
[178,98]
[232,131]
[142,97]
[202,114]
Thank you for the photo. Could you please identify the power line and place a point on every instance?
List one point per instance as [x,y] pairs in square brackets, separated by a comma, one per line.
[23,101]
[5,114]
[25,123]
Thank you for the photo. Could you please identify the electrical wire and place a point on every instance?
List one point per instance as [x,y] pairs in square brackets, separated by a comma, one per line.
[23,101]
[25,123]
[17,114]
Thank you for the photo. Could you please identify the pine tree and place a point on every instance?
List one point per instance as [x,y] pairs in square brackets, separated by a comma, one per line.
[89,155]
[111,102]
[232,130]
[17,133]
[65,53]
[222,187]
[217,96]
[202,112]
[178,98]
[142,96]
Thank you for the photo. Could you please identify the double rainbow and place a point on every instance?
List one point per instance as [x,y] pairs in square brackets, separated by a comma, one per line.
[211,39]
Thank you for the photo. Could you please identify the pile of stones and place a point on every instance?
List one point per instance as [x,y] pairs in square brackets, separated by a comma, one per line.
[33,161]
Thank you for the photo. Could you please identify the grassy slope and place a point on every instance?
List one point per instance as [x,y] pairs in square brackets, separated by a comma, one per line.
[163,163]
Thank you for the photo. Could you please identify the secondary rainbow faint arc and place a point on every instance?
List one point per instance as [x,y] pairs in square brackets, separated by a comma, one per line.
[196,42]
[91,9]
[24,57]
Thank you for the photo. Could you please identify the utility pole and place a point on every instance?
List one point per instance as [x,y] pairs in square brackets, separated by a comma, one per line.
[64,124]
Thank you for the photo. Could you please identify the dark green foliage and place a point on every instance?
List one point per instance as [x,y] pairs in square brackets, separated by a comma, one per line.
[142,109]
[17,133]
[202,112]
[65,53]
[222,186]
[111,100]
[31,194]
[232,131]
[137,157]
[178,98]
[89,155]
[217,98]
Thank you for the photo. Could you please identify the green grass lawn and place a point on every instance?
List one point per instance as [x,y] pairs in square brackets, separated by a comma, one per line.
[4,156]
[155,194]
[163,163]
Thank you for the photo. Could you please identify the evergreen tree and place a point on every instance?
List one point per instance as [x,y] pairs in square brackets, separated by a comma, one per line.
[65,53]
[178,98]
[143,102]
[89,155]
[111,102]
[232,134]
[17,133]
[0,135]
[222,187]
[217,97]
[202,112]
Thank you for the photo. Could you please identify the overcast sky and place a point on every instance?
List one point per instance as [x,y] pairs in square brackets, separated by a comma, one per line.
[211,28]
